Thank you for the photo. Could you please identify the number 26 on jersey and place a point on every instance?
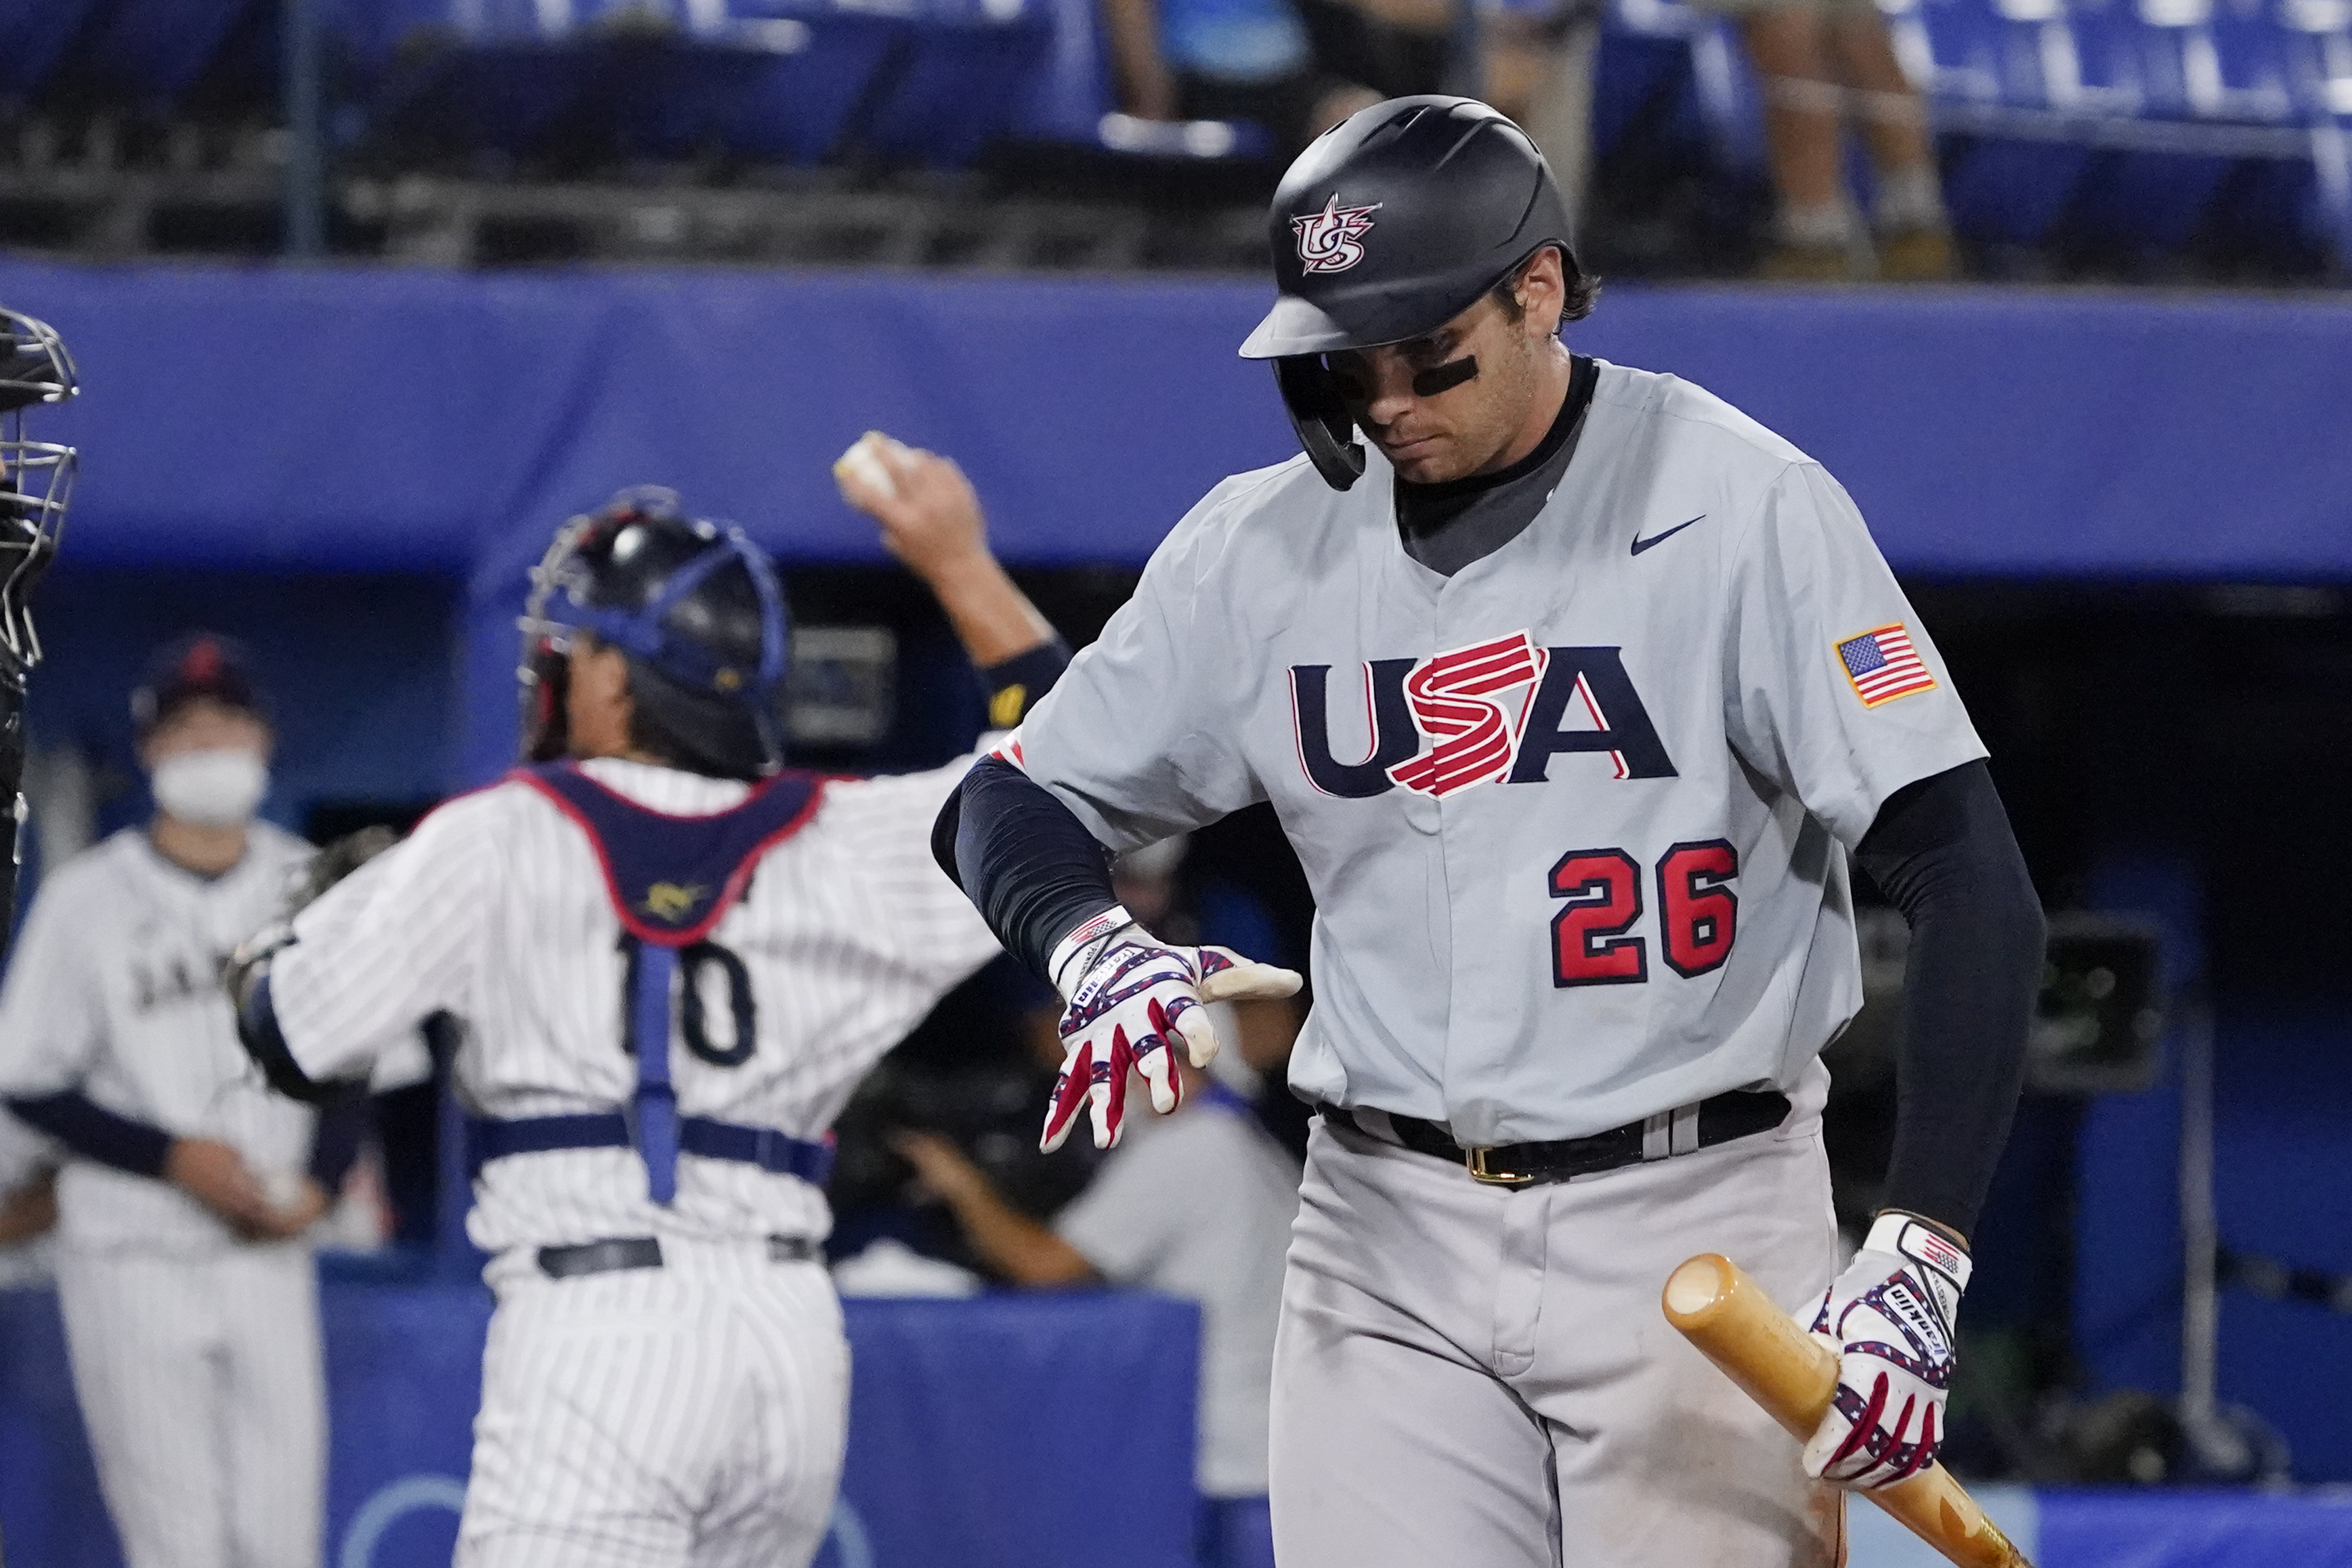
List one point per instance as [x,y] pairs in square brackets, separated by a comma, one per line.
[1593,940]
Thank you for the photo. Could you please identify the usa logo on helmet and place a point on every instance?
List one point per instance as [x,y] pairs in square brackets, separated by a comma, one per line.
[1328,240]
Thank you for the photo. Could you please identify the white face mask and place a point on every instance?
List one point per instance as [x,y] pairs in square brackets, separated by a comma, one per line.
[218,789]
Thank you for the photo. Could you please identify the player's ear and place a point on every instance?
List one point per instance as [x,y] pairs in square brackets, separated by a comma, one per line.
[1540,289]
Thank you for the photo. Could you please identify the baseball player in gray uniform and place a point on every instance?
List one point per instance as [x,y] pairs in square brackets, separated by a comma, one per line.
[190,1302]
[674,960]
[1575,690]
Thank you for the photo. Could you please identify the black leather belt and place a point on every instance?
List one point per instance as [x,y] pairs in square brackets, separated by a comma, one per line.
[644,1253]
[1737,1114]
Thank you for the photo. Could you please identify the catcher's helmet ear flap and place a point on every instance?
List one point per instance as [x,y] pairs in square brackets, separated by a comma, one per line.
[1320,416]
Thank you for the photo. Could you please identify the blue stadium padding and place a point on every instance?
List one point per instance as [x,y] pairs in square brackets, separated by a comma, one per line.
[356,418]
[33,33]
[2192,1529]
[968,1420]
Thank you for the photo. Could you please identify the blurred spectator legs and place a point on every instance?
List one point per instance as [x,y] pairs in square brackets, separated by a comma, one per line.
[1226,59]
[1538,70]
[1817,65]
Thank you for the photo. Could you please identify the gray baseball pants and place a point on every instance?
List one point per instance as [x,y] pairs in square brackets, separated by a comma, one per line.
[1472,1375]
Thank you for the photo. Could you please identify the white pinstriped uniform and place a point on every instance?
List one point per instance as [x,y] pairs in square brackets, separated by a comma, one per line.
[694,1413]
[195,1355]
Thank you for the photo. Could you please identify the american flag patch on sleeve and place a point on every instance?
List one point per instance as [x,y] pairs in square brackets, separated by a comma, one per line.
[1883,665]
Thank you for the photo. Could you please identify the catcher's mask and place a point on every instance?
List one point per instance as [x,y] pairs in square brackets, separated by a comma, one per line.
[35,476]
[696,608]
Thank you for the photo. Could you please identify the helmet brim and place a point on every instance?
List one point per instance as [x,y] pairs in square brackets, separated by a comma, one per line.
[1295,327]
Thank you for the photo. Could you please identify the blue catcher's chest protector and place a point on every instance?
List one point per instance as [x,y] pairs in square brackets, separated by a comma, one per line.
[671,880]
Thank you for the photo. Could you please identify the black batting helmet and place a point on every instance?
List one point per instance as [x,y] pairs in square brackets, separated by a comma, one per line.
[1388,226]
[696,608]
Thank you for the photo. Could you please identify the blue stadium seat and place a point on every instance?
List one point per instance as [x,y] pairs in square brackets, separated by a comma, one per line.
[1072,92]
[2300,50]
[2252,63]
[822,66]
[2002,79]
[1645,80]
[33,35]
[147,53]
[971,67]
[2154,61]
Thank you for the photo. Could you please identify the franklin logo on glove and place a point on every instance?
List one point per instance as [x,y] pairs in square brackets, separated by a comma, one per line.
[1888,1319]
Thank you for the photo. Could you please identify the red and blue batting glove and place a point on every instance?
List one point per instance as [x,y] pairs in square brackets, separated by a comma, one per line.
[1131,1001]
[1889,1318]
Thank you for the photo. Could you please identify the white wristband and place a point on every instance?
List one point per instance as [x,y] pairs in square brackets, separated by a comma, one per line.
[1075,953]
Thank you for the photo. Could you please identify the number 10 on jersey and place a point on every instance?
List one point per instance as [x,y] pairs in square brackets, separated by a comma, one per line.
[1592,939]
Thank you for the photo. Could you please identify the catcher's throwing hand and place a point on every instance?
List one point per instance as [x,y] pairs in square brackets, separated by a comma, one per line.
[1889,1318]
[1131,1000]
[930,516]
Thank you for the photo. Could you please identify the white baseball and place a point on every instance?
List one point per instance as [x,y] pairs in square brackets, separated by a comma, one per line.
[865,460]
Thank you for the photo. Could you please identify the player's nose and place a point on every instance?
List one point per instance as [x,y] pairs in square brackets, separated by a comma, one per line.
[1390,390]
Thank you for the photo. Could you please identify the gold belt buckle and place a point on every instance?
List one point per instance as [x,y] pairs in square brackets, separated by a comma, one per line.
[1481,1172]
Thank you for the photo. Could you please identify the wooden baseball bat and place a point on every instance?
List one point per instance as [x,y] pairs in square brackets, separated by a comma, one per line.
[1792,1375]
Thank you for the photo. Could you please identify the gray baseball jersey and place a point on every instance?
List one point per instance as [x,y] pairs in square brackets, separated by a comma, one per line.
[1575,817]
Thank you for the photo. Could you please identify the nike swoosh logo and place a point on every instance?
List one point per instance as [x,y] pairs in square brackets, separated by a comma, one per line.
[1640,545]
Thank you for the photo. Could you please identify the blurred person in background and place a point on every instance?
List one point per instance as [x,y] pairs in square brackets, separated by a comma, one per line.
[1819,62]
[190,1301]
[1226,59]
[1195,1204]
[1537,58]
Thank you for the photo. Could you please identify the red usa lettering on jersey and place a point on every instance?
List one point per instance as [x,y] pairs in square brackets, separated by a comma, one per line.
[1492,712]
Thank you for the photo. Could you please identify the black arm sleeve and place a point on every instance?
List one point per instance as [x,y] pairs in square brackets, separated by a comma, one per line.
[1942,851]
[1023,858]
[95,1133]
[343,1123]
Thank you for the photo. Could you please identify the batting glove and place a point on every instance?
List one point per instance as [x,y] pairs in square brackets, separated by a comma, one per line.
[1889,1318]
[1132,1001]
